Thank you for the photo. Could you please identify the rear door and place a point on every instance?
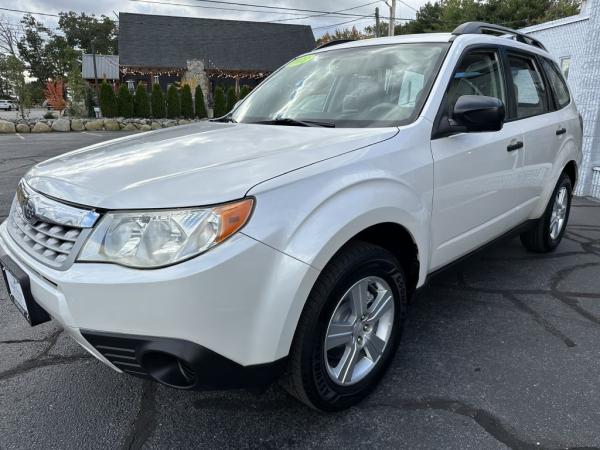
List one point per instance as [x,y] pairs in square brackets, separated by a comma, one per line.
[533,109]
[477,193]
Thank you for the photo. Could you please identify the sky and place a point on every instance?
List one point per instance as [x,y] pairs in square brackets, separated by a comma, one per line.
[325,23]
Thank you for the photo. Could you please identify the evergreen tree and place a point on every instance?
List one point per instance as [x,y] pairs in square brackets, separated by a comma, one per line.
[220,106]
[231,98]
[108,100]
[158,102]
[141,106]
[125,102]
[244,90]
[200,107]
[173,103]
[89,102]
[187,105]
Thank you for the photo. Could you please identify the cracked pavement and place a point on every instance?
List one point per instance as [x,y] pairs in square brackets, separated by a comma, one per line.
[501,351]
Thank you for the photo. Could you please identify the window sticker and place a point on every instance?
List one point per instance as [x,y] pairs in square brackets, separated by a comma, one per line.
[302,60]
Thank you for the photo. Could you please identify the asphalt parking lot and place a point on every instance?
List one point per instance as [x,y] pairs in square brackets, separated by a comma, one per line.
[502,351]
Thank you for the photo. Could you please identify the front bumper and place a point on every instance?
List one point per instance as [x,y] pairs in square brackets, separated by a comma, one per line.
[236,301]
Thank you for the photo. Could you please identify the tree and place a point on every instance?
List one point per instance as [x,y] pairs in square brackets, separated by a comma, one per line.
[108,100]
[244,91]
[125,102]
[158,102]
[141,107]
[187,105]
[231,98]
[76,88]
[12,70]
[173,103]
[89,102]
[200,107]
[8,36]
[81,30]
[220,106]
[55,94]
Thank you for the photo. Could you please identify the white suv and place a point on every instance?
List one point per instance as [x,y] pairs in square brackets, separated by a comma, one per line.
[8,105]
[287,237]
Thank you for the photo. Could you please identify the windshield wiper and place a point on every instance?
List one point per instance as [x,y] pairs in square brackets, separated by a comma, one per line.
[297,123]
[226,118]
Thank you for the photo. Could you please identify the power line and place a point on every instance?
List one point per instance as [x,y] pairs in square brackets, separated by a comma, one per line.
[332,14]
[29,12]
[341,23]
[156,2]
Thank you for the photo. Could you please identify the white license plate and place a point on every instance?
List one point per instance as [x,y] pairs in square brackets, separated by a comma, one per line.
[16,292]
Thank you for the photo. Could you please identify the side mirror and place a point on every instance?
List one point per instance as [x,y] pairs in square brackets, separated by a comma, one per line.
[478,113]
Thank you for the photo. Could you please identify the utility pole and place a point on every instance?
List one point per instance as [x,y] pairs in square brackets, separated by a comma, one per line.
[95,70]
[392,17]
[376,22]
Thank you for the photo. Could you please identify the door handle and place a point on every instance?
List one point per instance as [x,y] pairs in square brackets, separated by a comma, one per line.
[561,131]
[516,146]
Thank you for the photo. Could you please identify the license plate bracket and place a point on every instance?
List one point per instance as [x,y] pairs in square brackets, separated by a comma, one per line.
[18,287]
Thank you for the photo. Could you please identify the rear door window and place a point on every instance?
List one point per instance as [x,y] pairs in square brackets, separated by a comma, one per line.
[529,91]
[557,83]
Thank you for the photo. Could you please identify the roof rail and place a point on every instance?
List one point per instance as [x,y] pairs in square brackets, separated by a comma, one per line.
[332,43]
[483,28]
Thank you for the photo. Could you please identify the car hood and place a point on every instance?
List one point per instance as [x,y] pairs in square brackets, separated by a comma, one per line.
[198,164]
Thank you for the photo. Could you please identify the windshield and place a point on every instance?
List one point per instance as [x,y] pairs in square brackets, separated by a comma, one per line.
[372,86]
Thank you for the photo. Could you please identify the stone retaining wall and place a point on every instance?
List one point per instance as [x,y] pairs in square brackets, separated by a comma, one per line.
[64,124]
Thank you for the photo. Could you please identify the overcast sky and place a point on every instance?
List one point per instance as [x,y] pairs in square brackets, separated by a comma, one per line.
[320,24]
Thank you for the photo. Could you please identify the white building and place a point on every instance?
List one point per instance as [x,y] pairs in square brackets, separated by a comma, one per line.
[575,42]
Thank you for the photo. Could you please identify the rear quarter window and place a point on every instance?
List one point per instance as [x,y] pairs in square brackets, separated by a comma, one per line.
[557,83]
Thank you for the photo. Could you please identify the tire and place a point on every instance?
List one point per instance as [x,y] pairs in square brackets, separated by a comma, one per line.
[311,374]
[547,233]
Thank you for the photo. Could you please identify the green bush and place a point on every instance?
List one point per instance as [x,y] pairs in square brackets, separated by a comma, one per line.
[231,98]
[141,107]
[125,102]
[200,107]
[108,100]
[220,106]
[244,90]
[173,103]
[187,105]
[158,102]
[89,102]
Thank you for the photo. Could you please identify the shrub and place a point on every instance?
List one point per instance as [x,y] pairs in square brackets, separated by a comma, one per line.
[158,102]
[125,102]
[231,98]
[173,103]
[89,102]
[54,93]
[187,105]
[244,90]
[200,107]
[220,106]
[141,107]
[49,115]
[108,100]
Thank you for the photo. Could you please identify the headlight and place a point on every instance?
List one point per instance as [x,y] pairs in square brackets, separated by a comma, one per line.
[151,239]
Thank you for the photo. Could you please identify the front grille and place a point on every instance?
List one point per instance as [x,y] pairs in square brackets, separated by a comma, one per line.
[49,243]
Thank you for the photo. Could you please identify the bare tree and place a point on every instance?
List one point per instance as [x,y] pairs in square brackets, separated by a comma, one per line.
[8,36]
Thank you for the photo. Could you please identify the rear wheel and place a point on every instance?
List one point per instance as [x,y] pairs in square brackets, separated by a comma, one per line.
[549,229]
[349,329]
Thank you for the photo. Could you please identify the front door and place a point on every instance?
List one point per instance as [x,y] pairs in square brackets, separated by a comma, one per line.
[477,191]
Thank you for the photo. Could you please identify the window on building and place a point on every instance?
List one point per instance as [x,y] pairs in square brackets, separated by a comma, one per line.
[557,83]
[156,79]
[130,85]
[529,89]
[565,64]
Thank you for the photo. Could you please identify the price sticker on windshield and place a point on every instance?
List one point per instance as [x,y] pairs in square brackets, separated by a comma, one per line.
[302,60]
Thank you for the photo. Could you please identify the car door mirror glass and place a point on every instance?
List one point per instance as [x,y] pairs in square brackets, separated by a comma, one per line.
[478,113]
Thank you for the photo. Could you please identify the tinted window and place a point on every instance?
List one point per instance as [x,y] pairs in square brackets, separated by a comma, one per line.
[529,88]
[478,73]
[557,83]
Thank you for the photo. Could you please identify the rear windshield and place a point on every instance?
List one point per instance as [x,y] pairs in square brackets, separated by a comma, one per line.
[374,86]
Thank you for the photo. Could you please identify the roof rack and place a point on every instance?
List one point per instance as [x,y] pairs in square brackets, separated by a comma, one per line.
[332,43]
[483,28]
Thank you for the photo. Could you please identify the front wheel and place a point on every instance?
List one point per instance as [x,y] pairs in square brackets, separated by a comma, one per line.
[549,229]
[349,329]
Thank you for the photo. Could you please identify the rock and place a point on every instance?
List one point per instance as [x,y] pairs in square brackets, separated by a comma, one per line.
[6,126]
[129,127]
[183,122]
[41,127]
[61,125]
[144,127]
[155,126]
[111,125]
[94,125]
[23,128]
[77,125]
